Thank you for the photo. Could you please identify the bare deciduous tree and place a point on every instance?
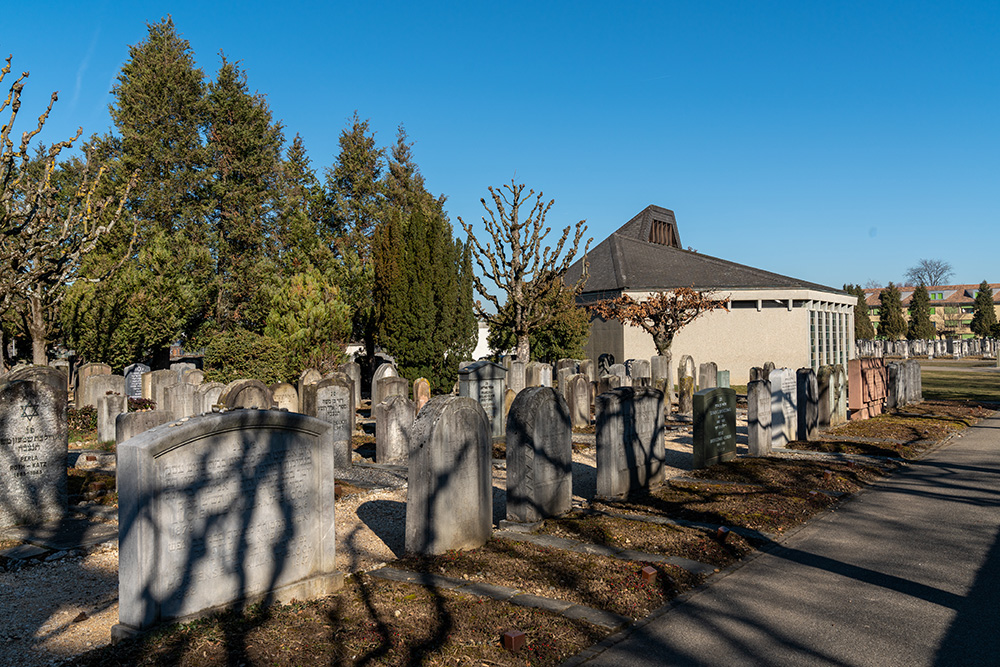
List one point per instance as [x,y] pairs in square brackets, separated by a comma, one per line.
[928,272]
[518,265]
[45,233]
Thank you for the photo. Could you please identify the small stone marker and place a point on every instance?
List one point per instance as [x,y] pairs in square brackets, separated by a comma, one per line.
[514,640]
[335,406]
[759,417]
[33,443]
[714,437]
[648,574]
[630,451]
[784,409]
[539,456]
[485,382]
[133,379]
[285,396]
[108,409]
[220,509]
[393,422]
[449,497]
[421,393]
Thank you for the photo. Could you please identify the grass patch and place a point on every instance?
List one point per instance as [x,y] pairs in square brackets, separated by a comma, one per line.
[969,386]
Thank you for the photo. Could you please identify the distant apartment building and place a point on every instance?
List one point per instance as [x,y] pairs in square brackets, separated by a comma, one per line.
[951,307]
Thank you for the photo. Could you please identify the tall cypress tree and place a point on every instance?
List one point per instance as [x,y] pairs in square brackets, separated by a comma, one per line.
[920,326]
[300,238]
[984,314]
[863,329]
[892,324]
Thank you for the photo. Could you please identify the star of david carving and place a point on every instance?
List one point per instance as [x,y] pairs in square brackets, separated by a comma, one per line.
[29,411]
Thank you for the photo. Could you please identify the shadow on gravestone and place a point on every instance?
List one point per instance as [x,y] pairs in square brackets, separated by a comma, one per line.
[629,441]
[224,510]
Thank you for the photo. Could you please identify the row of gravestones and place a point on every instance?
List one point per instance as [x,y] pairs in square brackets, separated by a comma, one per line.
[236,505]
[956,348]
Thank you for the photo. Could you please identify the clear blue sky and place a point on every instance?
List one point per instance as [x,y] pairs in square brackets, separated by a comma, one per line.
[830,141]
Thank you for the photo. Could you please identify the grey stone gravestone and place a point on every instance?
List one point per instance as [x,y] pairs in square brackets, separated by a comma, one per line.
[516,376]
[449,496]
[182,367]
[578,400]
[353,370]
[606,383]
[393,421]
[194,376]
[390,386]
[538,374]
[133,379]
[53,377]
[130,424]
[386,370]
[158,382]
[708,375]
[539,456]
[108,409]
[82,373]
[784,406]
[768,367]
[662,372]
[839,395]
[285,396]
[824,385]
[714,438]
[685,395]
[562,376]
[587,369]
[221,509]
[508,400]
[641,369]
[759,417]
[421,393]
[630,451]
[722,379]
[179,400]
[207,395]
[485,382]
[566,365]
[101,385]
[247,393]
[307,404]
[33,443]
[757,373]
[335,405]
[618,369]
[686,368]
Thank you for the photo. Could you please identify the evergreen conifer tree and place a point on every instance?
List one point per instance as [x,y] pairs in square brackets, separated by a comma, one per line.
[920,326]
[863,329]
[984,314]
[892,324]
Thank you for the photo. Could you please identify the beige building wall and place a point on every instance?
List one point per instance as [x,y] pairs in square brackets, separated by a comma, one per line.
[792,328]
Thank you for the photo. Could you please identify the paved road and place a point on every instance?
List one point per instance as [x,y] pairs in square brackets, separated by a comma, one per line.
[906,573]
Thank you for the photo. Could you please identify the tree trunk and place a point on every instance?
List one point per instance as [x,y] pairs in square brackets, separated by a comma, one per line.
[523,350]
[38,332]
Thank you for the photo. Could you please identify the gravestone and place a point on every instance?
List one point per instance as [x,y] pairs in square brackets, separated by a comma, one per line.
[179,400]
[82,373]
[421,393]
[722,379]
[539,455]
[606,383]
[108,409]
[641,369]
[587,369]
[708,375]
[181,368]
[158,381]
[33,444]
[578,400]
[385,370]
[133,379]
[508,400]
[307,403]
[449,496]
[285,396]
[686,368]
[784,406]
[538,374]
[768,367]
[54,377]
[194,376]
[839,415]
[759,417]
[207,395]
[335,405]
[101,385]
[714,438]
[516,376]
[390,386]
[562,377]
[224,509]
[130,424]
[630,451]
[757,373]
[618,369]
[393,421]
[62,365]
[485,382]
[352,369]
[247,394]
[566,365]
[824,385]
[662,373]
[685,396]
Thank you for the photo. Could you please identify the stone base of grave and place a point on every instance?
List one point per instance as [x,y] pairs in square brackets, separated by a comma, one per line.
[521,526]
[307,589]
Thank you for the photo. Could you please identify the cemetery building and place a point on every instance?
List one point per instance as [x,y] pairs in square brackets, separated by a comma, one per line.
[770,317]
[951,307]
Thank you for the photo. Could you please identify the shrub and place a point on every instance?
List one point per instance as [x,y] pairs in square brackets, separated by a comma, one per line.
[241,354]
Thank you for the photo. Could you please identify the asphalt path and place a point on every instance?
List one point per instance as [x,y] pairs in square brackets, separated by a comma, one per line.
[905,573]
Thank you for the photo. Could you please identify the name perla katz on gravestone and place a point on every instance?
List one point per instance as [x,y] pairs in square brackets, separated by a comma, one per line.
[539,456]
[393,422]
[759,417]
[486,382]
[714,426]
[133,379]
[285,396]
[385,370]
[630,451]
[33,445]
[224,509]
[449,495]
[335,405]
[784,406]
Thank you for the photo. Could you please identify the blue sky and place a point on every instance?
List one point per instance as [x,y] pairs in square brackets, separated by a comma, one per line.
[830,141]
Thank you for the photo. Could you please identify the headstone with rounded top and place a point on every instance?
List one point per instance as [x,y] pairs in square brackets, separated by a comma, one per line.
[246,393]
[393,422]
[685,368]
[485,382]
[578,400]
[206,396]
[285,396]
[759,417]
[421,393]
[708,375]
[133,379]
[335,405]
[385,370]
[390,386]
[82,373]
[194,376]
[539,456]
